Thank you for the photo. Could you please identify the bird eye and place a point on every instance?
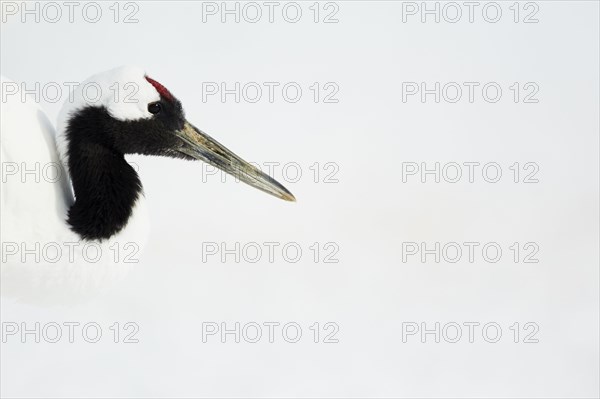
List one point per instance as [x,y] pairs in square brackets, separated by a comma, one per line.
[154,108]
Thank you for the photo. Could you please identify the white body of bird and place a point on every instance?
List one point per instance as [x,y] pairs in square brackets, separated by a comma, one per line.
[43,260]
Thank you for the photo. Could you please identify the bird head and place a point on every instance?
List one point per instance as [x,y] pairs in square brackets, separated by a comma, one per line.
[128,112]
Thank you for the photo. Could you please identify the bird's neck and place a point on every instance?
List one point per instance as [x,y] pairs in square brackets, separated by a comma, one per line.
[106,187]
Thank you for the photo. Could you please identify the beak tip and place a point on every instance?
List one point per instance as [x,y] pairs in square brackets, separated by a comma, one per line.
[289,197]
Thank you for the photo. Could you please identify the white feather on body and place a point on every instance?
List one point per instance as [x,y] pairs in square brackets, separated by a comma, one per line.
[34,211]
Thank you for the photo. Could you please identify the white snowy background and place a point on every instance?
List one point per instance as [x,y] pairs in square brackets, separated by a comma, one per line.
[368,213]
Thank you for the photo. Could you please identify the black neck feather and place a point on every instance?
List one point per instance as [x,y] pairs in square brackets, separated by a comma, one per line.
[106,187]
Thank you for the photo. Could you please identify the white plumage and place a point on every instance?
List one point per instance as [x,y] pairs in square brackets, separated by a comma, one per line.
[34,207]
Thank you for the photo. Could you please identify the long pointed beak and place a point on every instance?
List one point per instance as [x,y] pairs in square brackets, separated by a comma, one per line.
[200,145]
